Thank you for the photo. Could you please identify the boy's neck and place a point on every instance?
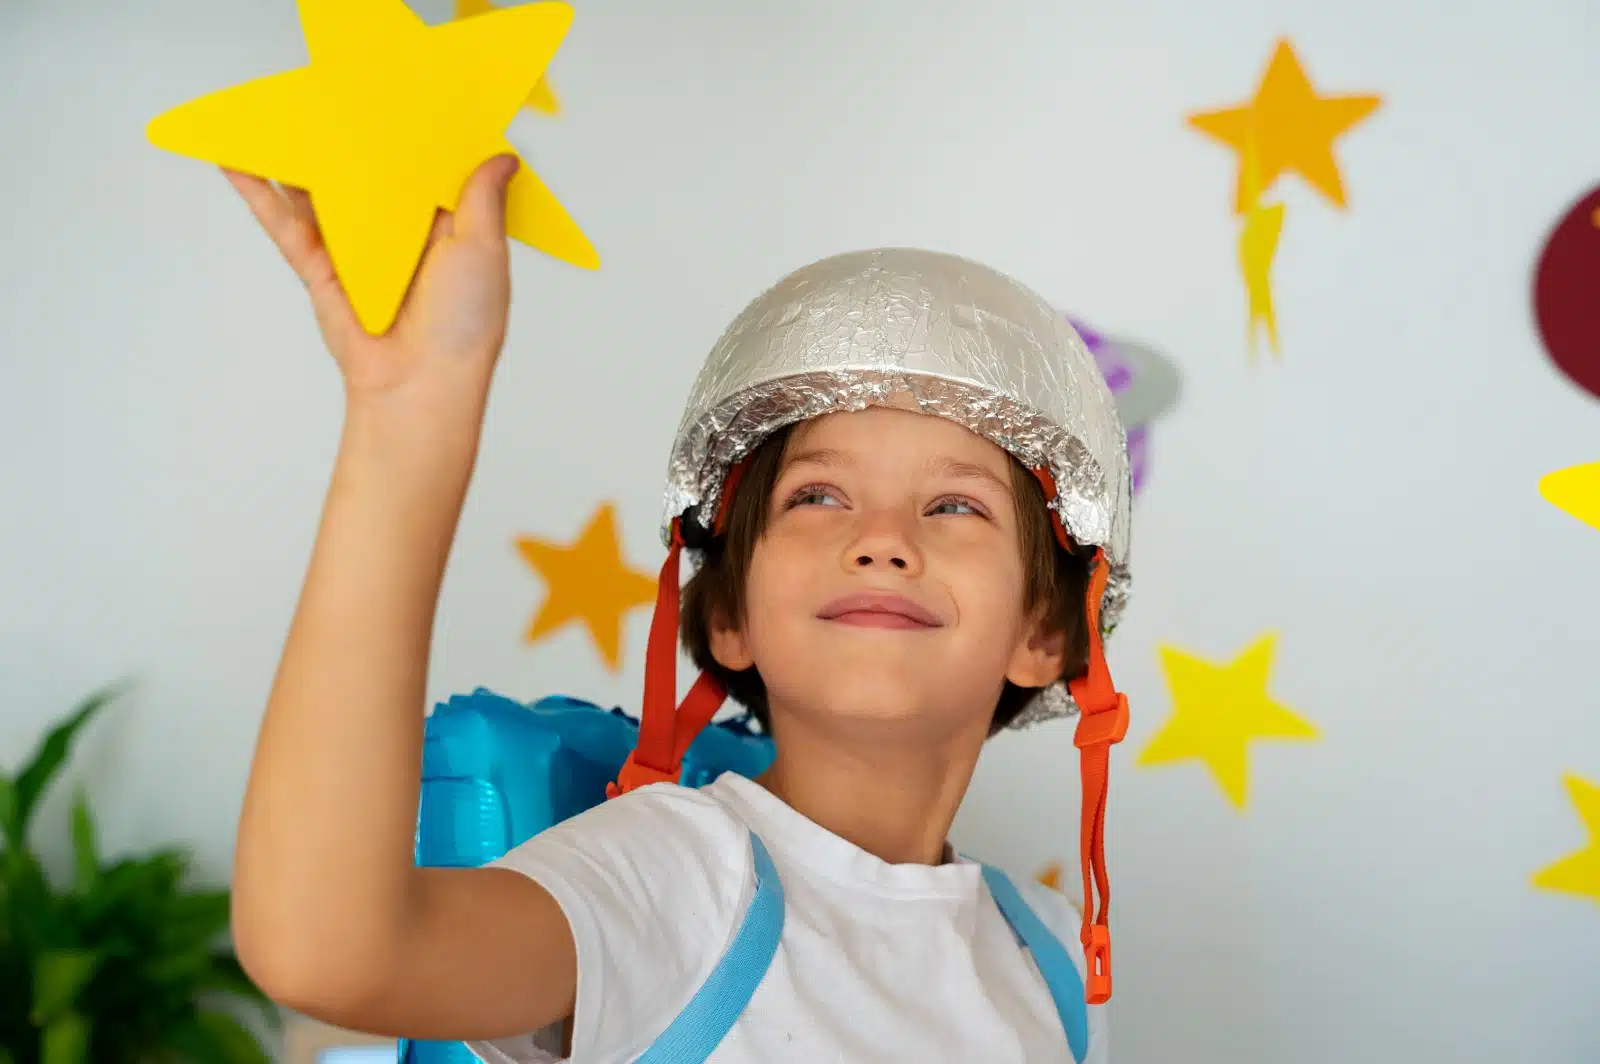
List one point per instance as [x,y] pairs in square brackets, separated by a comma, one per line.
[895,800]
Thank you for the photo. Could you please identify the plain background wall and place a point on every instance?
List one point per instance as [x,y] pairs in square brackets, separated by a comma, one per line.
[167,419]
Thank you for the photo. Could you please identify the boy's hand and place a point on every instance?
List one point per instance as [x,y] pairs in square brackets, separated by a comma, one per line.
[448,332]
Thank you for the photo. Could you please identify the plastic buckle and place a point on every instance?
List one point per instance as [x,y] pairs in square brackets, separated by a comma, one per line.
[1105,726]
[634,775]
[1097,952]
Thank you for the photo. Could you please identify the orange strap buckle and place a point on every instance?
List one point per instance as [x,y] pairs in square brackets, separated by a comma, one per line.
[634,774]
[1098,727]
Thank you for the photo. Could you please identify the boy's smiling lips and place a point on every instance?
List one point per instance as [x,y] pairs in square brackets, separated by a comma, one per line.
[878,609]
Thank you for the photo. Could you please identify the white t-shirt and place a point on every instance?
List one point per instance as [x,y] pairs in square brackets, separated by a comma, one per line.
[877,962]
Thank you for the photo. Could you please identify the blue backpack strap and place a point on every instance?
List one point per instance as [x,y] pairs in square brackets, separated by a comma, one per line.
[1061,976]
[711,1013]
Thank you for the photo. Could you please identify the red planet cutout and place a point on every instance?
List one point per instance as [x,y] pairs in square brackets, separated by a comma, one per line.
[1566,293]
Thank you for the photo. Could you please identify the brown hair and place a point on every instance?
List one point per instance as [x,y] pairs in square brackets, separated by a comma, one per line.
[1055,580]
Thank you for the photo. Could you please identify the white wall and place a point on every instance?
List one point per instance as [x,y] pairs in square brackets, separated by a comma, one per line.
[167,418]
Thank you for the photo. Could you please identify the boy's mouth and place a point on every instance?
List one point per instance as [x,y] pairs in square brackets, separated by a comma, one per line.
[879,610]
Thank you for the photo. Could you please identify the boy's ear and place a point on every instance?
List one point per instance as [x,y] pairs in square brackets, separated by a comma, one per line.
[729,647]
[1039,658]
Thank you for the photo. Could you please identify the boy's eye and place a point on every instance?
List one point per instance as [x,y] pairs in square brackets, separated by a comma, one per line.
[955,504]
[812,495]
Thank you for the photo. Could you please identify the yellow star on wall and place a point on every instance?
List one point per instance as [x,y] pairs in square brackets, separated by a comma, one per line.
[383,128]
[590,582]
[1578,873]
[1293,127]
[1575,490]
[1217,711]
[543,97]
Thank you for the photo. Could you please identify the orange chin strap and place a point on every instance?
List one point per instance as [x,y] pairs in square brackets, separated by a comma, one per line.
[667,728]
[1102,722]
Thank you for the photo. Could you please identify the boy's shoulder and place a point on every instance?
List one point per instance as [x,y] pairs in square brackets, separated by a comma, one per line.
[1062,915]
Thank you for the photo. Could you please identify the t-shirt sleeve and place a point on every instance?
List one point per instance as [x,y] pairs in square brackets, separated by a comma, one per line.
[652,884]
[1066,922]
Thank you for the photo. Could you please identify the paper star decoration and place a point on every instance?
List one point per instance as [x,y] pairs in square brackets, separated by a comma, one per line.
[1578,873]
[1050,875]
[1575,490]
[543,97]
[383,127]
[590,582]
[1292,126]
[1218,710]
[1258,247]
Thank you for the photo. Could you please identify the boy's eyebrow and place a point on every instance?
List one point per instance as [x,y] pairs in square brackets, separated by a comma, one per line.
[946,466]
[823,456]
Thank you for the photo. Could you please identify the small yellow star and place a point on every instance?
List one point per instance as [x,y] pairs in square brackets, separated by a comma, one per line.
[1217,711]
[1575,490]
[1050,875]
[383,128]
[1578,873]
[543,97]
[1293,126]
[590,582]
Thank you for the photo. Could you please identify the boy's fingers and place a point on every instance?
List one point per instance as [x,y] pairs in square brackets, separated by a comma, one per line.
[295,237]
[481,214]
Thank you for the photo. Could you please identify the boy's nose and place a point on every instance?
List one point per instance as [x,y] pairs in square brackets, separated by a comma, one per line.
[883,543]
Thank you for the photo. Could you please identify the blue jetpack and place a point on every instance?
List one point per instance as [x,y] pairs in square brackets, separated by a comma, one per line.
[496,772]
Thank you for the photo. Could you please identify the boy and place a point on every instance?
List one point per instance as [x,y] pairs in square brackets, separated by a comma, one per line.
[881,581]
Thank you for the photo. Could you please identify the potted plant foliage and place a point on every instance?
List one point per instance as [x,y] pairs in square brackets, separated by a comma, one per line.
[125,963]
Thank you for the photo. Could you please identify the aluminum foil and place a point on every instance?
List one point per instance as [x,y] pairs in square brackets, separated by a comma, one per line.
[965,341]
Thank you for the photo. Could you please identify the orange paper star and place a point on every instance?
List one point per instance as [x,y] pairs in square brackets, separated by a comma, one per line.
[590,582]
[1293,127]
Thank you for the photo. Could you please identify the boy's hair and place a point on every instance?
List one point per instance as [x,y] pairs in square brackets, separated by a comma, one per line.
[1055,579]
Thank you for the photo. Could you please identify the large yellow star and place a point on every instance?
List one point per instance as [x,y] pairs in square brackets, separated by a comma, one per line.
[1217,711]
[1575,490]
[543,97]
[383,128]
[1293,127]
[1578,873]
[590,582]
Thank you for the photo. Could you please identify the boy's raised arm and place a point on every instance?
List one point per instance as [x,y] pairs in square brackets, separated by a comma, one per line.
[331,915]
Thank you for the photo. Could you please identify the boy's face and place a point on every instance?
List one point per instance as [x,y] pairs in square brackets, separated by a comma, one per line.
[889,584]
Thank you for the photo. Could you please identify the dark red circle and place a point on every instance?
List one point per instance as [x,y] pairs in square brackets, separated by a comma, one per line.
[1566,293]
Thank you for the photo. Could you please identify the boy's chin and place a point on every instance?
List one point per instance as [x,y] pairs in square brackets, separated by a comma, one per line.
[891,704]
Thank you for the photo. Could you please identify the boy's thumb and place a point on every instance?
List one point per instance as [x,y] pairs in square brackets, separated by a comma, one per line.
[482,211]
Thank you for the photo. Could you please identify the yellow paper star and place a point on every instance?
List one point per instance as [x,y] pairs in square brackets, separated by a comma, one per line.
[1578,873]
[1050,875]
[383,128]
[1295,127]
[1258,247]
[590,582]
[1217,711]
[543,97]
[1575,490]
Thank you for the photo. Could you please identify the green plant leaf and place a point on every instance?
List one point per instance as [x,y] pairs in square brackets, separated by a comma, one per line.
[216,1038]
[227,976]
[199,916]
[66,1041]
[35,776]
[58,976]
[8,809]
[86,856]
